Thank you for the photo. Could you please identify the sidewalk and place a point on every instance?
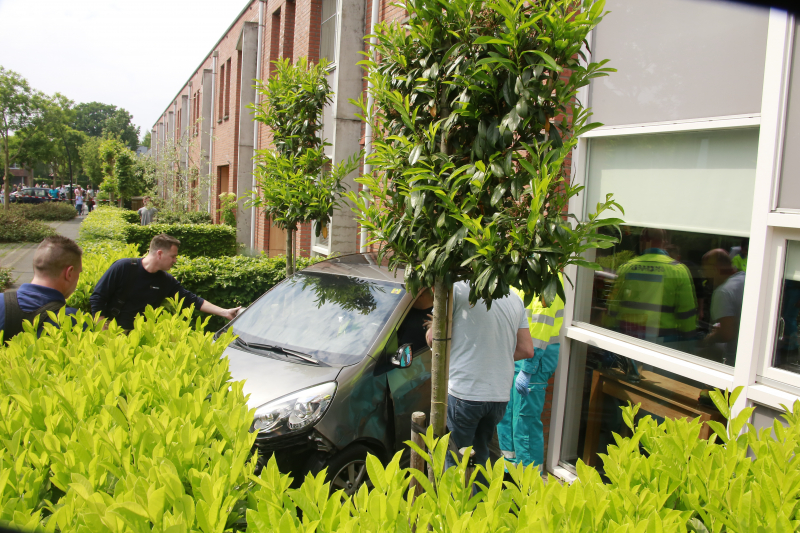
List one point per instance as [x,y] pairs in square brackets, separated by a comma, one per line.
[19,256]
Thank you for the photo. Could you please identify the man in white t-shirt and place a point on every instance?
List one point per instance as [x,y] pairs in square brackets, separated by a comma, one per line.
[484,347]
[726,301]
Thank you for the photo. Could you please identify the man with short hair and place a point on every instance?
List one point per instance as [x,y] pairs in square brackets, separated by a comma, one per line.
[146,213]
[726,301]
[130,285]
[486,342]
[56,269]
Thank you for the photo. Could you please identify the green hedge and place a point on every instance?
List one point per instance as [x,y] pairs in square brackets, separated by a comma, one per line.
[197,240]
[179,217]
[232,281]
[108,432]
[105,432]
[662,479]
[121,225]
[48,211]
[16,228]
[105,223]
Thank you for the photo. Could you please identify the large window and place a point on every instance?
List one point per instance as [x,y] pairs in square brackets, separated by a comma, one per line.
[677,276]
[662,75]
[789,196]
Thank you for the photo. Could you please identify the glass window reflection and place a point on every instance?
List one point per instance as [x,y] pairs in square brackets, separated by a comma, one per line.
[601,382]
[678,289]
[786,353]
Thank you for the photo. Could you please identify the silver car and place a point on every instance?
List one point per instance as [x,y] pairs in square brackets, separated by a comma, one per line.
[335,363]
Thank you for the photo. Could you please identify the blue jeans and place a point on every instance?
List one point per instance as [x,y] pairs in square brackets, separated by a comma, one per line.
[472,423]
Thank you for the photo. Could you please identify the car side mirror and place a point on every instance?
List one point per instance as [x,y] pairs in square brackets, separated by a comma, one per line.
[403,357]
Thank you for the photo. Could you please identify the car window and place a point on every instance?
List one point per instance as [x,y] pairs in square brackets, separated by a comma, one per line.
[27,192]
[332,318]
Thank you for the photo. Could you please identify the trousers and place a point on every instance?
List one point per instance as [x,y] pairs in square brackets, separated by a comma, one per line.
[521,432]
[472,423]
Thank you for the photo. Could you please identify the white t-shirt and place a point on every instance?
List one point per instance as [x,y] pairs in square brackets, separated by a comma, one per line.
[482,354]
[727,301]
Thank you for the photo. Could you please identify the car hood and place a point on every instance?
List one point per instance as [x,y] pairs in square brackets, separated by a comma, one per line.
[267,379]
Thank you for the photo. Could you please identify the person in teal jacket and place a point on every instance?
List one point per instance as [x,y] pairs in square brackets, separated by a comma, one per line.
[521,432]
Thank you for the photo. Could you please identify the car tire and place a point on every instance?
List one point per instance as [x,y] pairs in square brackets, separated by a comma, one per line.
[347,470]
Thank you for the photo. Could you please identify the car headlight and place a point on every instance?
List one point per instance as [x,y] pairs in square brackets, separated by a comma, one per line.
[295,411]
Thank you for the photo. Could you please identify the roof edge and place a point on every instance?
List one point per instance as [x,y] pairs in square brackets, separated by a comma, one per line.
[205,58]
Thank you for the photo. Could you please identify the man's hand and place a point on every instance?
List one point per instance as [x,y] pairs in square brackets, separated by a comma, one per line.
[522,382]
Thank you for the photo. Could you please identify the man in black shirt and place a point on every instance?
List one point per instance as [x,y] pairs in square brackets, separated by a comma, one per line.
[130,285]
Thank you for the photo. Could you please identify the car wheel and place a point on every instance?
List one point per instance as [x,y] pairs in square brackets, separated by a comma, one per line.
[348,470]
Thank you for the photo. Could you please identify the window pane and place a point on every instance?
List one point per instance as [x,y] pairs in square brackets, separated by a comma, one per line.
[327,47]
[789,197]
[661,51]
[328,9]
[678,289]
[697,181]
[601,382]
[786,353]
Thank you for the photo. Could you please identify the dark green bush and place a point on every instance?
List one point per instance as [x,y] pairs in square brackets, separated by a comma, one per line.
[16,228]
[177,217]
[131,217]
[197,240]
[48,211]
[232,281]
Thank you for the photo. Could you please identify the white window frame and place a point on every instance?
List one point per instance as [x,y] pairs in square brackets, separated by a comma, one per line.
[318,248]
[337,13]
[768,233]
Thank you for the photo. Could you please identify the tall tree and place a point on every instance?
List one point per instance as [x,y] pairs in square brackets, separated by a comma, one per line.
[296,181]
[475,113]
[17,112]
[105,120]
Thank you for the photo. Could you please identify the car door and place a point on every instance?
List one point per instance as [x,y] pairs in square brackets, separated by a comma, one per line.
[409,388]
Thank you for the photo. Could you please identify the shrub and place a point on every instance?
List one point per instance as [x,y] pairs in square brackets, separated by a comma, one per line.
[5,278]
[178,217]
[663,478]
[227,201]
[197,240]
[232,281]
[16,228]
[106,223]
[49,211]
[108,432]
[131,217]
[97,258]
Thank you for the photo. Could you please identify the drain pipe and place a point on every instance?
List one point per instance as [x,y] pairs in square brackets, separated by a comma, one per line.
[255,129]
[370,103]
[211,129]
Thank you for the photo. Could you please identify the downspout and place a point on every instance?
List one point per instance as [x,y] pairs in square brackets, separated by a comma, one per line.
[211,129]
[255,129]
[370,103]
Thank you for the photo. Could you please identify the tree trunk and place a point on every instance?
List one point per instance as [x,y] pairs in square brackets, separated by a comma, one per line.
[289,270]
[294,251]
[439,376]
[6,175]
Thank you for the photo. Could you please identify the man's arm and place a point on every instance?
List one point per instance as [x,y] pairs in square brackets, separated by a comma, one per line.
[229,314]
[524,349]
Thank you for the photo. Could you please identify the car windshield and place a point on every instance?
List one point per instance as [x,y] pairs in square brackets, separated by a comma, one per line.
[332,318]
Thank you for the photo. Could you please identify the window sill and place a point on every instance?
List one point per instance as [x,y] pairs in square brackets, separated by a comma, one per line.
[219,121]
[226,117]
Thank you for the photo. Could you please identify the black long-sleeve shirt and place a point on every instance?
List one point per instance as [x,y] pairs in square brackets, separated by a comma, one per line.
[147,289]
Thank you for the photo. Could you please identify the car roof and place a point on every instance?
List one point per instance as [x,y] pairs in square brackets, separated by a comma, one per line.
[358,266]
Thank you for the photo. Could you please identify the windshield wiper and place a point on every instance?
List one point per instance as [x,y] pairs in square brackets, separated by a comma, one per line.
[277,349]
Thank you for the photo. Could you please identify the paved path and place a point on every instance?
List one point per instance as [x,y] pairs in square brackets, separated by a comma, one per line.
[19,256]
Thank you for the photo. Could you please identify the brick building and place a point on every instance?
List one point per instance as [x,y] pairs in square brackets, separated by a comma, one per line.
[210,122]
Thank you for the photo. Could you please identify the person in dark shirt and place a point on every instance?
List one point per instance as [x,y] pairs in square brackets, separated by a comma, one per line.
[57,266]
[413,329]
[130,285]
